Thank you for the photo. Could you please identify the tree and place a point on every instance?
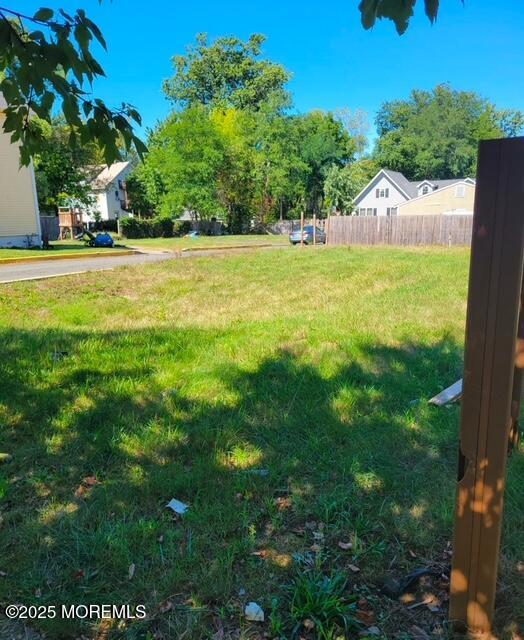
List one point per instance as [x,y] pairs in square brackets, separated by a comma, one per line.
[227,73]
[46,58]
[61,170]
[436,133]
[187,155]
[323,142]
[399,11]
[343,184]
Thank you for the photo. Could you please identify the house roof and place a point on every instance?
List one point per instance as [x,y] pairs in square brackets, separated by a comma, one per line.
[443,184]
[104,176]
[410,188]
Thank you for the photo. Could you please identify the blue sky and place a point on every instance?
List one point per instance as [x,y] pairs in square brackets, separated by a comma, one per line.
[334,62]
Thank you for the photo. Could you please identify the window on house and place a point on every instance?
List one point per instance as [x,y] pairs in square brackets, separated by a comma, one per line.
[387,193]
[460,191]
[374,212]
[377,193]
[394,211]
[425,189]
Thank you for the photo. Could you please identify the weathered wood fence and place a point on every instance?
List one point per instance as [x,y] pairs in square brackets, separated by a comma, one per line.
[400,230]
[49,226]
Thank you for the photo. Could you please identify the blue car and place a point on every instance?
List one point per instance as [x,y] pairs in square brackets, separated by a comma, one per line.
[320,236]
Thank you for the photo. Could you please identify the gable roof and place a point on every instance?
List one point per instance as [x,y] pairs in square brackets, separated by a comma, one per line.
[410,188]
[104,176]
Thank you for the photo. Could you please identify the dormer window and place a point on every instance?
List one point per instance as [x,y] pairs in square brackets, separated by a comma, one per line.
[425,189]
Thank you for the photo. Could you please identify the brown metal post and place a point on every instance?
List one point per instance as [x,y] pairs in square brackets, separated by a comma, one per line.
[302,228]
[314,229]
[495,287]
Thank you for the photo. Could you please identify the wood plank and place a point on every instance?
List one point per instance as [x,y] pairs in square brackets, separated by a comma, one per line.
[493,306]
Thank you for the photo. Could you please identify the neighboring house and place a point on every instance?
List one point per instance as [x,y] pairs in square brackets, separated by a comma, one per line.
[389,193]
[19,216]
[109,191]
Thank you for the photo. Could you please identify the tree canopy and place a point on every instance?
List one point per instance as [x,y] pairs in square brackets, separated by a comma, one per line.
[46,60]
[228,72]
[436,133]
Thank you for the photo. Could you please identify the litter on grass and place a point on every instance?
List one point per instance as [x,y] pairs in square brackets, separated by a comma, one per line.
[177,506]
[451,394]
[254,612]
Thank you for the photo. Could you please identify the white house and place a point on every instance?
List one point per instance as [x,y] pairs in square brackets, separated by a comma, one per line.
[388,191]
[109,192]
[19,215]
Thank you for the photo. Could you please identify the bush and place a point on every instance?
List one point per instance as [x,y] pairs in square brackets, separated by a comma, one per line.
[158,227]
[181,227]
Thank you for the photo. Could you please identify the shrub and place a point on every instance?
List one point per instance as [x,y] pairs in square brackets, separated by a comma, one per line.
[181,227]
[158,227]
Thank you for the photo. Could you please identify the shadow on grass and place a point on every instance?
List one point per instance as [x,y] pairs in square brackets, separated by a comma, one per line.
[153,415]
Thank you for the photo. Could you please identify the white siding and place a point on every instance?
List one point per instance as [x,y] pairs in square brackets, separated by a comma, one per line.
[369,200]
[19,216]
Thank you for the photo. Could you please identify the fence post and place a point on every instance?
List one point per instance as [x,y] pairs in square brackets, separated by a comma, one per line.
[302,228]
[495,286]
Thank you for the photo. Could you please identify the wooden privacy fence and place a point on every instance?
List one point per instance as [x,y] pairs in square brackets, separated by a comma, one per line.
[400,230]
[49,227]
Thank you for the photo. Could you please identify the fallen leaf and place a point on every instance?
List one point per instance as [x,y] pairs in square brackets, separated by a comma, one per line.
[315,548]
[308,624]
[132,568]
[520,567]
[366,617]
[412,553]
[90,481]
[283,503]
[354,568]
[79,574]
[262,553]
[345,546]
[165,606]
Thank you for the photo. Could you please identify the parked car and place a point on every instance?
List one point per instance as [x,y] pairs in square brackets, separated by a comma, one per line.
[320,236]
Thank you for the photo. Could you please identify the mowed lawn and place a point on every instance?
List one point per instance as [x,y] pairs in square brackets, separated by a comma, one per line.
[282,395]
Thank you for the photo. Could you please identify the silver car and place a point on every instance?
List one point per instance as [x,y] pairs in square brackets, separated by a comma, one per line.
[320,236]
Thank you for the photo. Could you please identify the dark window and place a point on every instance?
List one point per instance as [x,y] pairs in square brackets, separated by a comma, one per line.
[387,193]
[377,193]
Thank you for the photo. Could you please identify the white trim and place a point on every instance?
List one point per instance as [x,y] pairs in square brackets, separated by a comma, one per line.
[35,198]
[383,172]
[431,184]
[426,195]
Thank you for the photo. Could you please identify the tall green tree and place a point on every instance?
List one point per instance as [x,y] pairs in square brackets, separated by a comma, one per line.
[436,133]
[343,184]
[46,62]
[187,155]
[228,73]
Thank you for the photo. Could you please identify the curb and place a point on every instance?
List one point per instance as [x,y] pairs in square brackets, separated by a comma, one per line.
[231,247]
[71,256]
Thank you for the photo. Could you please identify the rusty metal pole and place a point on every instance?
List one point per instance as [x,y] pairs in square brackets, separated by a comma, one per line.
[491,392]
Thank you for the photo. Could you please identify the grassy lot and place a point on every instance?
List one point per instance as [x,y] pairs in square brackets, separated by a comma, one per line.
[282,395]
[60,248]
[177,244]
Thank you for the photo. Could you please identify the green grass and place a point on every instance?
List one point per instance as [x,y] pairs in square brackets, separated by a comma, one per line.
[60,248]
[182,379]
[177,244]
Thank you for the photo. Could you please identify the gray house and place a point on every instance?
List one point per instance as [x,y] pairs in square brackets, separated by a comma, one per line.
[389,189]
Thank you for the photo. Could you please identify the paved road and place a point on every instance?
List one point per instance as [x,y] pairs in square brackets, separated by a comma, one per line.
[53,268]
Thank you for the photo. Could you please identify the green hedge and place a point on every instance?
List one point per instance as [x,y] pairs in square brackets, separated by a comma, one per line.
[158,227]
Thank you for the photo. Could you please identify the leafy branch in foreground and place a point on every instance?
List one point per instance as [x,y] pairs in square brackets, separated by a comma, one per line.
[399,11]
[46,57]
